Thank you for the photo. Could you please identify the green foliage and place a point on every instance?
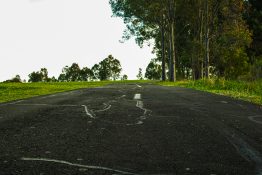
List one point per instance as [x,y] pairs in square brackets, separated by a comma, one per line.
[207,34]
[71,74]
[39,76]
[153,70]
[124,77]
[16,79]
[256,69]
[253,16]
[140,74]
[108,69]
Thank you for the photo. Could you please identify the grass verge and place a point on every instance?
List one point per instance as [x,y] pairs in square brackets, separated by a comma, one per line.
[248,91]
[17,91]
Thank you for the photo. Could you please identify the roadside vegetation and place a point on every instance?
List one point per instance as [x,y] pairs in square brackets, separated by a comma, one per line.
[17,91]
[249,91]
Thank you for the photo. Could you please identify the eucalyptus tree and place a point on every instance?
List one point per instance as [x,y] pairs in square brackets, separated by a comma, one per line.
[146,20]
[107,69]
[153,70]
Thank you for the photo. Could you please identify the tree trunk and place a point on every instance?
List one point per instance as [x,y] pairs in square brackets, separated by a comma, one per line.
[172,69]
[170,53]
[163,53]
[207,43]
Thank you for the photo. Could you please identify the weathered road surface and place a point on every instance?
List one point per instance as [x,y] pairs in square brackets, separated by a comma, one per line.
[131,129]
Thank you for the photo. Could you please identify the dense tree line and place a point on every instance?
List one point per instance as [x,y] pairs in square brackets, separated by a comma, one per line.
[16,79]
[107,69]
[197,39]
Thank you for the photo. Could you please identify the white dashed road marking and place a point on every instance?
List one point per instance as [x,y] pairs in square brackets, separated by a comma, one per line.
[137,97]
[107,107]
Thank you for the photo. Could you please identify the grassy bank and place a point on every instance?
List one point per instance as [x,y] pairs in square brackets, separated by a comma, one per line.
[248,91]
[16,91]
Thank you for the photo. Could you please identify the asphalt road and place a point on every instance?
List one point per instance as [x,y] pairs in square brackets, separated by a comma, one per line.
[131,129]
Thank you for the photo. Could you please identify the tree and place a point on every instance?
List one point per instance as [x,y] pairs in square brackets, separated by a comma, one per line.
[85,74]
[140,74]
[35,77]
[144,23]
[16,79]
[39,76]
[196,35]
[107,69]
[95,72]
[44,73]
[71,74]
[53,79]
[124,77]
[153,70]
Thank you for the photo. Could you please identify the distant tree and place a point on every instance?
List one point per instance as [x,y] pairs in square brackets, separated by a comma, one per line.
[35,77]
[95,72]
[39,76]
[124,77]
[86,74]
[153,70]
[61,77]
[44,74]
[140,74]
[53,79]
[16,79]
[108,69]
[72,73]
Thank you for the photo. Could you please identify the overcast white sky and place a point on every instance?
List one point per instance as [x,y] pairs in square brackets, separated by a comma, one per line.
[56,33]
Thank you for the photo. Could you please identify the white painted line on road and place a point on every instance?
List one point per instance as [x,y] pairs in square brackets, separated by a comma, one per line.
[253,119]
[107,107]
[16,102]
[76,165]
[87,112]
[34,104]
[225,102]
[140,105]
[123,96]
[140,122]
[137,97]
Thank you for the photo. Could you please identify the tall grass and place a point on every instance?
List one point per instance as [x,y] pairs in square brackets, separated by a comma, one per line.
[249,91]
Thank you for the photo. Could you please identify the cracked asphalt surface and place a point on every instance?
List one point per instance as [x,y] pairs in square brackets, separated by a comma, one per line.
[105,131]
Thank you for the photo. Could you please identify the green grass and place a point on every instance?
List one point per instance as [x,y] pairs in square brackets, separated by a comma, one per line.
[17,91]
[248,91]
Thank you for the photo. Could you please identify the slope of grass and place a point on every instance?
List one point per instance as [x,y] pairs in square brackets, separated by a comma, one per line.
[16,91]
[248,91]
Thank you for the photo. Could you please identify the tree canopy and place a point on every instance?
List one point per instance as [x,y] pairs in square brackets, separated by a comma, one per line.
[197,39]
